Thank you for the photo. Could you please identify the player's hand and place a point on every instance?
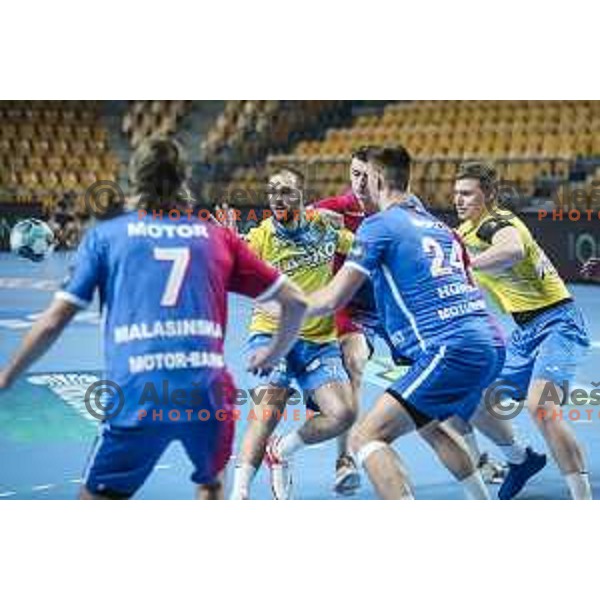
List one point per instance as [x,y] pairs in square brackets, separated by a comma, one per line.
[262,362]
[227,220]
[331,218]
[591,269]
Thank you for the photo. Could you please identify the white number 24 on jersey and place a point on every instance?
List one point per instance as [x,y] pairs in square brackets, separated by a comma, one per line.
[180,257]
[433,249]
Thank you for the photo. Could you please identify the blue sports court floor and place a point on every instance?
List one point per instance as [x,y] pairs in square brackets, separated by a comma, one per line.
[46,433]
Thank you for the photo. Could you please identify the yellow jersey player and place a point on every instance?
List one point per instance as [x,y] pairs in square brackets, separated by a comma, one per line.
[303,250]
[550,336]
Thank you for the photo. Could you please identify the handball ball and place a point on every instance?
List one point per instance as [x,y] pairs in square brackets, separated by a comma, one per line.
[31,239]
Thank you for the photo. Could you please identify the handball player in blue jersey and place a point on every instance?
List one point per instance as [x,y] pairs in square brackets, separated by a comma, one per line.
[433,315]
[163,284]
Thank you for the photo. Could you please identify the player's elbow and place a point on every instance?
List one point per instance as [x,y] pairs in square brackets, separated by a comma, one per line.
[47,328]
[515,253]
[509,246]
[56,317]
[331,303]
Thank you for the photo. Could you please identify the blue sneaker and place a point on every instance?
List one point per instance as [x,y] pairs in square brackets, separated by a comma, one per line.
[519,475]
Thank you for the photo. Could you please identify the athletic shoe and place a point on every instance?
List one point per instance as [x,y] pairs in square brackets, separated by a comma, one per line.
[492,471]
[347,477]
[280,470]
[519,475]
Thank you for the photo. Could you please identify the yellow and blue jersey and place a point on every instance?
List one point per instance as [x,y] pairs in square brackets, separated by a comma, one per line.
[532,283]
[306,256]
[552,337]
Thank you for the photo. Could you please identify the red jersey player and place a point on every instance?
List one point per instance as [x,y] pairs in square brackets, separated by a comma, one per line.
[352,207]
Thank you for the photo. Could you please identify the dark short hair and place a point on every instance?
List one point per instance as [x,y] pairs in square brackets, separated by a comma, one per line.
[395,160]
[158,171]
[362,153]
[483,172]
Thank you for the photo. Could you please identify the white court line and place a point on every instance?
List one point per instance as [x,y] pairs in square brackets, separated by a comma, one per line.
[162,467]
[39,488]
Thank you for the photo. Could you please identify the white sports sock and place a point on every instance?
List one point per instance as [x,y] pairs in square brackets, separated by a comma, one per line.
[579,486]
[473,446]
[515,453]
[243,475]
[475,488]
[289,444]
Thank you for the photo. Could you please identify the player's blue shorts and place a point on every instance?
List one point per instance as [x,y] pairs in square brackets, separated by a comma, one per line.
[310,365]
[449,381]
[550,347]
[122,458]
[372,332]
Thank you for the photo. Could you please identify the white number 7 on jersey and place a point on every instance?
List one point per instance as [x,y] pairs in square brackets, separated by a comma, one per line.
[181,260]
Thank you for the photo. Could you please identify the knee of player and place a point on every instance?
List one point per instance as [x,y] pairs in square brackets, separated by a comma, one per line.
[544,413]
[544,399]
[355,366]
[534,409]
[357,440]
[460,425]
[345,415]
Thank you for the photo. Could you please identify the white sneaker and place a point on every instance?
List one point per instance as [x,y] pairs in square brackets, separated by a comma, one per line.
[492,471]
[280,469]
[347,477]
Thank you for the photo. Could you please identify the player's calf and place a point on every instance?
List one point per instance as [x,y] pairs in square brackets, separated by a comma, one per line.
[559,437]
[355,353]
[335,417]
[387,473]
[456,457]
[268,411]
[336,413]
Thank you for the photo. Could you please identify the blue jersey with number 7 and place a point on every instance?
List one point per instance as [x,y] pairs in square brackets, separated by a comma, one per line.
[164,285]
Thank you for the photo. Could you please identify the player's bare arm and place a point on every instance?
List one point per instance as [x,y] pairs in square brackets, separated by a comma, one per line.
[507,249]
[337,293]
[45,331]
[331,217]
